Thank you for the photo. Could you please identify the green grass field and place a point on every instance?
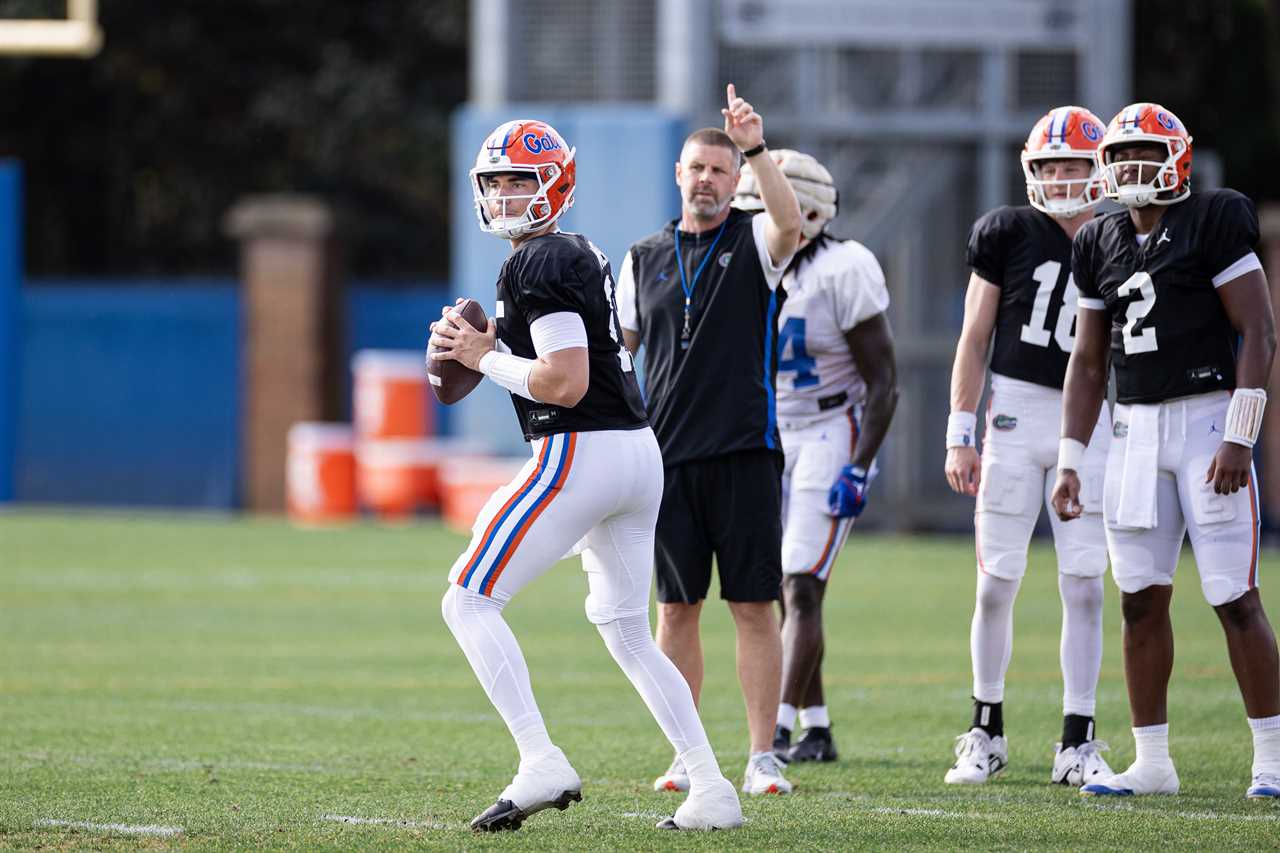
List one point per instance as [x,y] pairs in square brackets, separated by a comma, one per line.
[257,686]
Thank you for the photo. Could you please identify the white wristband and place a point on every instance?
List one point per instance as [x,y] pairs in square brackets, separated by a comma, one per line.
[960,430]
[1070,452]
[1244,416]
[509,371]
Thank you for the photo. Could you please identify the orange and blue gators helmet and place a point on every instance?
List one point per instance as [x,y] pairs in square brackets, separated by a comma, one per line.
[1151,124]
[532,147]
[1064,133]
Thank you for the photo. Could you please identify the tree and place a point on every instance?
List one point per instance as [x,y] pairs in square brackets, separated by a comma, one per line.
[133,157]
[1217,65]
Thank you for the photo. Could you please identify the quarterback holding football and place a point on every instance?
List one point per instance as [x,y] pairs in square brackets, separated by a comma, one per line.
[593,483]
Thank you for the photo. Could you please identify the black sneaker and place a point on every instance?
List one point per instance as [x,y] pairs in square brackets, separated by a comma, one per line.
[781,743]
[814,745]
[506,815]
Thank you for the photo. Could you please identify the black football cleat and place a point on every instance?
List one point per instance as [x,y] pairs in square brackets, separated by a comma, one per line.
[505,814]
[782,744]
[814,745]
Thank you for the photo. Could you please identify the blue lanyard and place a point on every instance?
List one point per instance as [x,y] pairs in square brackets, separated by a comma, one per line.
[697,274]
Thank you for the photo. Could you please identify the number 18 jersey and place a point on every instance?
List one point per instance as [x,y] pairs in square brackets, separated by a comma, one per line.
[1026,254]
[828,294]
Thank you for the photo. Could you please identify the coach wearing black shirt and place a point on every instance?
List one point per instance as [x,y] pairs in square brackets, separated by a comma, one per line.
[702,296]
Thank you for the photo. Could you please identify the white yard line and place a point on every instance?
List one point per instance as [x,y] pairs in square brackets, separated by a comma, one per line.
[382,821]
[915,812]
[122,828]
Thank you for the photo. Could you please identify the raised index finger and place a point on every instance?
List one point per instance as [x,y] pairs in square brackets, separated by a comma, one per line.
[731,92]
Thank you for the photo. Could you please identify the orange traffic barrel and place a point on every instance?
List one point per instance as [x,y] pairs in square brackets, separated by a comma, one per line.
[390,395]
[320,473]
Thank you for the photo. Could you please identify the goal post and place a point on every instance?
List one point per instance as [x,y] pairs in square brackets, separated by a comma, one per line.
[76,35]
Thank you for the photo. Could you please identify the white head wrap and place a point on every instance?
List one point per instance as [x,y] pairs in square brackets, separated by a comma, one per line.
[811,181]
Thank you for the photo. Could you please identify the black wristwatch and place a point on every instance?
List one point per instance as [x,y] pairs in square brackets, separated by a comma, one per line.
[751,152]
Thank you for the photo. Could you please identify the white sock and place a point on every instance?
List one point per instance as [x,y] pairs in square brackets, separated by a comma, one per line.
[662,688]
[701,765]
[491,649]
[787,716]
[815,716]
[991,636]
[1081,649]
[1152,744]
[1266,744]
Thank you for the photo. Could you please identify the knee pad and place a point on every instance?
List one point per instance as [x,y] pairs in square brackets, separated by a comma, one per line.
[1222,590]
[458,602]
[1082,551]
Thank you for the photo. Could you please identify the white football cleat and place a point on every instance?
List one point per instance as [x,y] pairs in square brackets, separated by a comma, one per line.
[675,779]
[1266,786]
[978,757]
[1139,779]
[708,807]
[548,781]
[764,776]
[1080,765]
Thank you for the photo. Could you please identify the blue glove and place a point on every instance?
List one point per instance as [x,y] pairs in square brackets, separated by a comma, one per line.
[848,497]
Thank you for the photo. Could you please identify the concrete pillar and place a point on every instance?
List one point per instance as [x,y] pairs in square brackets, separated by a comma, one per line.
[1269,220]
[291,333]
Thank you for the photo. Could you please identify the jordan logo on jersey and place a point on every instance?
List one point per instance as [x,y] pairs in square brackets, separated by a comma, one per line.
[1164,237]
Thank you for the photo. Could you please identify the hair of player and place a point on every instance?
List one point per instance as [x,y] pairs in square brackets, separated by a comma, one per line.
[806,254]
[713,136]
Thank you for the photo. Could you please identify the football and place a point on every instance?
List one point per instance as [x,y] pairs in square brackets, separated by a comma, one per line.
[450,380]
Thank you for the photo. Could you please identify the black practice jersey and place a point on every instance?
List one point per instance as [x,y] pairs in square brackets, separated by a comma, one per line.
[564,272]
[716,396]
[1027,255]
[1170,336]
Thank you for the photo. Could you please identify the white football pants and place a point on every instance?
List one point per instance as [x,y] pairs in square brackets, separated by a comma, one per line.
[1223,528]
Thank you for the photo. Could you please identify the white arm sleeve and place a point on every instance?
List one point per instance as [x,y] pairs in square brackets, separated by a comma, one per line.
[554,332]
[772,274]
[625,295]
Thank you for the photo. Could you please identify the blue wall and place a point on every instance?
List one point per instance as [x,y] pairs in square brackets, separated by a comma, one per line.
[10,318]
[130,394]
[130,390]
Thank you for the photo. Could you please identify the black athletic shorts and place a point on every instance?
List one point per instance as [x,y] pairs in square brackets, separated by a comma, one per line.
[730,507]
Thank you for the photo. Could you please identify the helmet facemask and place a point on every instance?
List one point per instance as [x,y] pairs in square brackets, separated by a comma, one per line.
[1162,189]
[538,211]
[1090,195]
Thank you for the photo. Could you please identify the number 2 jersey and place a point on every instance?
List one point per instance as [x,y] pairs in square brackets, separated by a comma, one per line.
[560,272]
[1170,335]
[1026,254]
[828,294]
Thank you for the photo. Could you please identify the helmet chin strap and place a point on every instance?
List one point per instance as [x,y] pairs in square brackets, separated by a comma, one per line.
[1135,195]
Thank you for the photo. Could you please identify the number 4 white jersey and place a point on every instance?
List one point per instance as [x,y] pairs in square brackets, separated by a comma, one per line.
[838,287]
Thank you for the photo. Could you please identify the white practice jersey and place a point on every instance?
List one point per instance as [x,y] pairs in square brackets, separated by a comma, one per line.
[841,286]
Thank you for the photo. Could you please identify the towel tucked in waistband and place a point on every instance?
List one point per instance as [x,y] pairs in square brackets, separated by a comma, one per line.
[1137,505]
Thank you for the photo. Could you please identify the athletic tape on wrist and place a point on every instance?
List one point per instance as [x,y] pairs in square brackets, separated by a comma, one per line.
[961,427]
[1244,416]
[509,371]
[1070,453]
